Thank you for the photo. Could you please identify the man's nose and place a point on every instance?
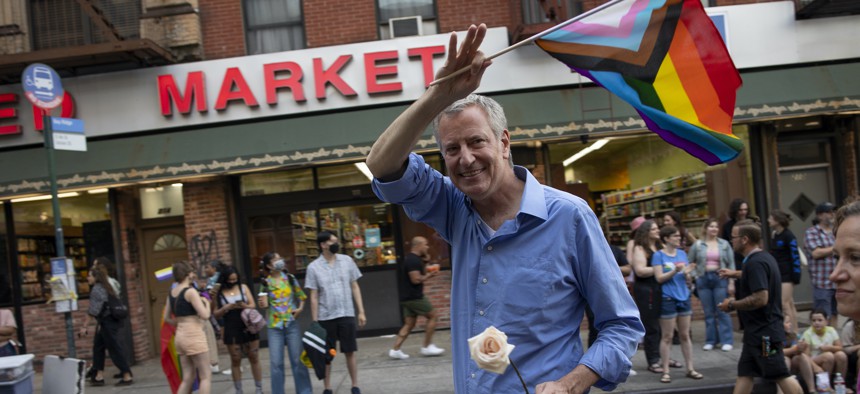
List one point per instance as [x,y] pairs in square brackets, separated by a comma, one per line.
[466,156]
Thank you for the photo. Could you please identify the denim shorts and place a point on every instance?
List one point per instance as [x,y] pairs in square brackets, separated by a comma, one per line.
[672,308]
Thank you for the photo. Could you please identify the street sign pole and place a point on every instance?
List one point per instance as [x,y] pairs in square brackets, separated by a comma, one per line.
[58,221]
[44,88]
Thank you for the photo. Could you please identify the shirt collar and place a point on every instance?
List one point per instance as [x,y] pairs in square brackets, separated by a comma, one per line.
[532,202]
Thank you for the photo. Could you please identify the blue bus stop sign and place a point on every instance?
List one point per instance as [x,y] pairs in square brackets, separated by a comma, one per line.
[42,86]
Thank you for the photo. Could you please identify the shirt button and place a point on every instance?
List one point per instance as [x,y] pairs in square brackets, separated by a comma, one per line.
[490,248]
[473,375]
[481,312]
[485,280]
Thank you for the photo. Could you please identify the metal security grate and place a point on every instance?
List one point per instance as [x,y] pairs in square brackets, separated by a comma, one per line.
[62,23]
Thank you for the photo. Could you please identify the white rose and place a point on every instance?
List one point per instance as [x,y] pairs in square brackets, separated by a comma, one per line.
[490,350]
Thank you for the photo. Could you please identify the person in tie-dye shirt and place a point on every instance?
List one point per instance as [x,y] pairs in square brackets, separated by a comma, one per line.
[284,299]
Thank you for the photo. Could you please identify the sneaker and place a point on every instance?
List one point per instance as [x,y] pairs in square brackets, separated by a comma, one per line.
[431,350]
[215,368]
[355,390]
[727,348]
[707,347]
[398,354]
[632,372]
[230,372]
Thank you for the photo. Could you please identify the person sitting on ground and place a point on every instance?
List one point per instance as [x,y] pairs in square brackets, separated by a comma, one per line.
[851,346]
[796,359]
[825,347]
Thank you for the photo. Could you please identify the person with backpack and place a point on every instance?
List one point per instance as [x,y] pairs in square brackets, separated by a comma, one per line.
[108,323]
[284,298]
[232,299]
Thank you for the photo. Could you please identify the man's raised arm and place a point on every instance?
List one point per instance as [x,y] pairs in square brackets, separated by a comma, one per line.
[388,155]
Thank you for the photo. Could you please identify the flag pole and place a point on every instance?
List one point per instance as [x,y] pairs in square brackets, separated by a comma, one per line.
[532,38]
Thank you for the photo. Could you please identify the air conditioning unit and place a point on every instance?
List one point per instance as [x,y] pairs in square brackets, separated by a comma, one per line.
[405,27]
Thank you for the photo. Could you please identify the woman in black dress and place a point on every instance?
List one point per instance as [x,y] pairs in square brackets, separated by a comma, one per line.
[232,297]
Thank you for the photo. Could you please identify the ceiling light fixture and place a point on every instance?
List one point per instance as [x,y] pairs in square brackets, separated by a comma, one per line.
[595,146]
[45,197]
[364,170]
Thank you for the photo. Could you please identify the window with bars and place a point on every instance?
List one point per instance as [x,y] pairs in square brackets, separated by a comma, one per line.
[274,26]
[62,23]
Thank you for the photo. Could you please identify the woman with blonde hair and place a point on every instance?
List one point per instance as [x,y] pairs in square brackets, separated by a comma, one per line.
[708,255]
[191,312]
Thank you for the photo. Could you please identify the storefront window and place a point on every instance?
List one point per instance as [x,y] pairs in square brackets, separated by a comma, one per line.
[277,182]
[364,231]
[87,229]
[342,175]
[161,201]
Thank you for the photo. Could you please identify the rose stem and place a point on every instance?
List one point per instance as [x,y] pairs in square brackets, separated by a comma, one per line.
[519,376]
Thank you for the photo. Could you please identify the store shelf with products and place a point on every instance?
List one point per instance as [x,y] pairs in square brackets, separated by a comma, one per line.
[304,234]
[34,260]
[685,194]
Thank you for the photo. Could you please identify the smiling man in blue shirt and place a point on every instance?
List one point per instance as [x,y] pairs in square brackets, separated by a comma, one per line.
[526,258]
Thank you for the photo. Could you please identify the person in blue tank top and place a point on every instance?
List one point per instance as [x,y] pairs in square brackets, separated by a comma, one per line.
[671,269]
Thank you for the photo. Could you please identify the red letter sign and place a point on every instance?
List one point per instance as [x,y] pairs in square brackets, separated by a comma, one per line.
[427,54]
[371,72]
[67,110]
[168,93]
[9,113]
[293,82]
[324,77]
[244,93]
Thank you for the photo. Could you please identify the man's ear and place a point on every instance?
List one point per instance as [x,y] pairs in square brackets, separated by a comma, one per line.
[505,139]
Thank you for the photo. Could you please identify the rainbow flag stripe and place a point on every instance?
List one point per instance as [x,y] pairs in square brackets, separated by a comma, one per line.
[164,274]
[169,359]
[667,60]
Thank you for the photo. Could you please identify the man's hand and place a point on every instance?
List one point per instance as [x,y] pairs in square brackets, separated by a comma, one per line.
[555,387]
[362,320]
[83,331]
[724,306]
[727,273]
[467,55]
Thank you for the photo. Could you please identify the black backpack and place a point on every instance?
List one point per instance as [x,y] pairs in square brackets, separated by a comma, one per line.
[115,308]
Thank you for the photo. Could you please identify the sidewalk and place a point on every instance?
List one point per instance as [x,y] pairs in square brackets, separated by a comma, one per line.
[380,374]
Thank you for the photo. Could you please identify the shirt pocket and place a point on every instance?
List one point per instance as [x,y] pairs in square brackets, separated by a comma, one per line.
[527,286]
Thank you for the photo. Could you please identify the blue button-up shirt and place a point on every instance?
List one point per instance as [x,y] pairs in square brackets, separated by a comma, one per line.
[531,279]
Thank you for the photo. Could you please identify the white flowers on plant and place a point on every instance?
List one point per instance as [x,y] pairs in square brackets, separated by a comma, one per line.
[490,350]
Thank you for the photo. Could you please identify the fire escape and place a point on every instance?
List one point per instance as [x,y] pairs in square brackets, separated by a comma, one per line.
[113,51]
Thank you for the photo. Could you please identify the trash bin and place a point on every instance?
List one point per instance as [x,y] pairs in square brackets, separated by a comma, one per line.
[16,374]
[24,385]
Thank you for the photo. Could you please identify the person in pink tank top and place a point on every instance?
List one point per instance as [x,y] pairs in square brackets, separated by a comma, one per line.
[708,255]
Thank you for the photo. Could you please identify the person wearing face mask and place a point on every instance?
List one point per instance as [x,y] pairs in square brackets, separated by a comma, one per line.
[232,297]
[335,299]
[282,295]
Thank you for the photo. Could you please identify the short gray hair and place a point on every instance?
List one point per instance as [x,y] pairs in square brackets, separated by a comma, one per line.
[495,115]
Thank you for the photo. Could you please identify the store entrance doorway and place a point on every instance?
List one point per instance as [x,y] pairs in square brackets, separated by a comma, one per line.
[162,247]
[805,180]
